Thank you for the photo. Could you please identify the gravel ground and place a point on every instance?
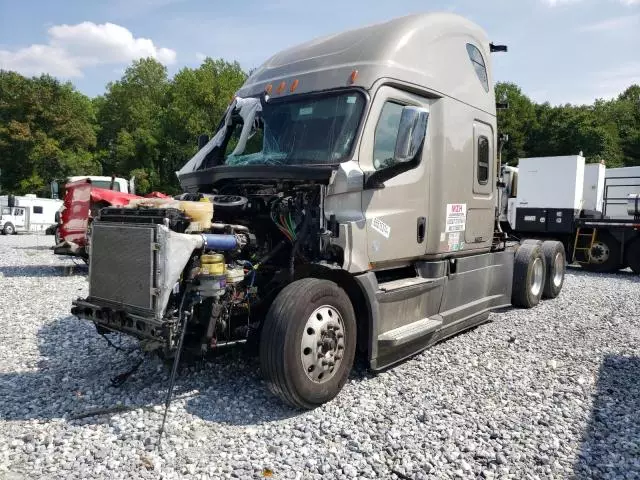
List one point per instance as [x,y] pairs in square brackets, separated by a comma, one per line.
[551,392]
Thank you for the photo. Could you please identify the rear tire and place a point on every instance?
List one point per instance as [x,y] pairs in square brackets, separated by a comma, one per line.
[529,269]
[605,254]
[633,255]
[310,322]
[555,258]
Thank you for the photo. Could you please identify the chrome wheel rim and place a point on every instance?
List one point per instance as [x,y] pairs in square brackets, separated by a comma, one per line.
[322,344]
[558,269]
[599,253]
[537,277]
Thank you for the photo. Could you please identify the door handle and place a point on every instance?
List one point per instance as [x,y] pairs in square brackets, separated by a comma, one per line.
[422,224]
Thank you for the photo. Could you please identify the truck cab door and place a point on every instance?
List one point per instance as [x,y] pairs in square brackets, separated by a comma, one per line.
[396,210]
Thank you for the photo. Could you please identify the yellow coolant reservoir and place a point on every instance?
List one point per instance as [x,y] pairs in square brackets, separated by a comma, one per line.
[200,212]
[212,264]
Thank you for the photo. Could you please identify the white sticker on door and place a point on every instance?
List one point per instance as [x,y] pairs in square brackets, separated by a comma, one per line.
[454,241]
[381,227]
[456,217]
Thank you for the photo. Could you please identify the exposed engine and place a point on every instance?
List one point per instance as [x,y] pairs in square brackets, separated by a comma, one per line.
[217,277]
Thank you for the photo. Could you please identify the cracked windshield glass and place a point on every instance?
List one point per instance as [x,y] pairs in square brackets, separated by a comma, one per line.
[311,131]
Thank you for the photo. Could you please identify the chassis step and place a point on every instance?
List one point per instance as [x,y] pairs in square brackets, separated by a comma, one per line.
[401,335]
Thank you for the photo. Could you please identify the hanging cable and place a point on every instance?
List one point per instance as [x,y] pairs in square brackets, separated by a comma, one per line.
[176,361]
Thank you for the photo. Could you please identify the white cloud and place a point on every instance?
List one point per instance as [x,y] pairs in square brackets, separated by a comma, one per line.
[553,3]
[201,56]
[613,82]
[71,48]
[612,24]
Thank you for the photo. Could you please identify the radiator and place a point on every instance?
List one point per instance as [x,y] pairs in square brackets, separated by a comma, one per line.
[123,266]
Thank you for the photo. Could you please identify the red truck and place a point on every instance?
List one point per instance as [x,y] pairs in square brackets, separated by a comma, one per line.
[82,202]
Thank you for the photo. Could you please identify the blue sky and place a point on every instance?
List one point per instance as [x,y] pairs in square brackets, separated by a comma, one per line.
[559,50]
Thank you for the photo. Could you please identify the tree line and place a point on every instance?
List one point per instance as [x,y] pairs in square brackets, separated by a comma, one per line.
[146,125]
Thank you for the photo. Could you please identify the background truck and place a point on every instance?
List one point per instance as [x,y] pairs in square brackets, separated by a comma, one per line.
[83,199]
[28,213]
[593,210]
[352,187]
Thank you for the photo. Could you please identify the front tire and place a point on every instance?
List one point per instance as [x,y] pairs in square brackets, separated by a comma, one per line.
[9,229]
[308,342]
[529,272]
[56,236]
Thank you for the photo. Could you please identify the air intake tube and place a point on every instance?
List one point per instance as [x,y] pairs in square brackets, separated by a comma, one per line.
[216,241]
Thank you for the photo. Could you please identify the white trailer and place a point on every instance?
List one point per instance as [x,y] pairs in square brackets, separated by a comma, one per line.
[591,209]
[27,213]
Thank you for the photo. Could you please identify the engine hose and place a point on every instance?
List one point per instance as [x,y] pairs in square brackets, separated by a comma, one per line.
[272,253]
[296,246]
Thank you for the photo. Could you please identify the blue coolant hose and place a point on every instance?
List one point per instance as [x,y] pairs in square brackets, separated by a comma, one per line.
[216,241]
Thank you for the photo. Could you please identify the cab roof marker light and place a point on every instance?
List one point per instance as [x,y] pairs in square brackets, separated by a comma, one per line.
[281,87]
[353,76]
[294,85]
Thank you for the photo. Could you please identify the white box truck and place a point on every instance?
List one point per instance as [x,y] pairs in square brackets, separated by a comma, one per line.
[592,210]
[28,213]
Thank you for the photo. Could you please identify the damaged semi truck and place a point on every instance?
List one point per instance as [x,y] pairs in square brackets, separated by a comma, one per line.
[354,188]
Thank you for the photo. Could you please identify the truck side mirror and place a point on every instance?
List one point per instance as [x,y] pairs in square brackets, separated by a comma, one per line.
[54,189]
[202,141]
[411,133]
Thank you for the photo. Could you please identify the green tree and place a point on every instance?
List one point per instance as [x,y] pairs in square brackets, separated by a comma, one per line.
[517,121]
[47,132]
[196,103]
[130,117]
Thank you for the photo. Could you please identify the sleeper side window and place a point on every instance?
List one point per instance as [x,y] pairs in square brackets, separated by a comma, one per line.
[386,134]
[37,209]
[478,64]
[483,160]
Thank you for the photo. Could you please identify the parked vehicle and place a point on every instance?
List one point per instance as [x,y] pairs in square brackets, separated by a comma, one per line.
[82,202]
[593,210]
[28,213]
[353,181]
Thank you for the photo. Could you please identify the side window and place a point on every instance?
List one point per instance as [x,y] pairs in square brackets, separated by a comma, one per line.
[386,134]
[19,212]
[478,64]
[37,209]
[483,160]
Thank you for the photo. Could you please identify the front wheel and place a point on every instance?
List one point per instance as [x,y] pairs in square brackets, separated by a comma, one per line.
[56,236]
[9,229]
[308,342]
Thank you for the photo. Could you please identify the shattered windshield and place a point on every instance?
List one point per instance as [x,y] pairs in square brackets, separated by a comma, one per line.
[313,130]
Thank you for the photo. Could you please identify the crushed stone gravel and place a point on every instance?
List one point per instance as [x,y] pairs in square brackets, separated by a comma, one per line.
[552,392]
